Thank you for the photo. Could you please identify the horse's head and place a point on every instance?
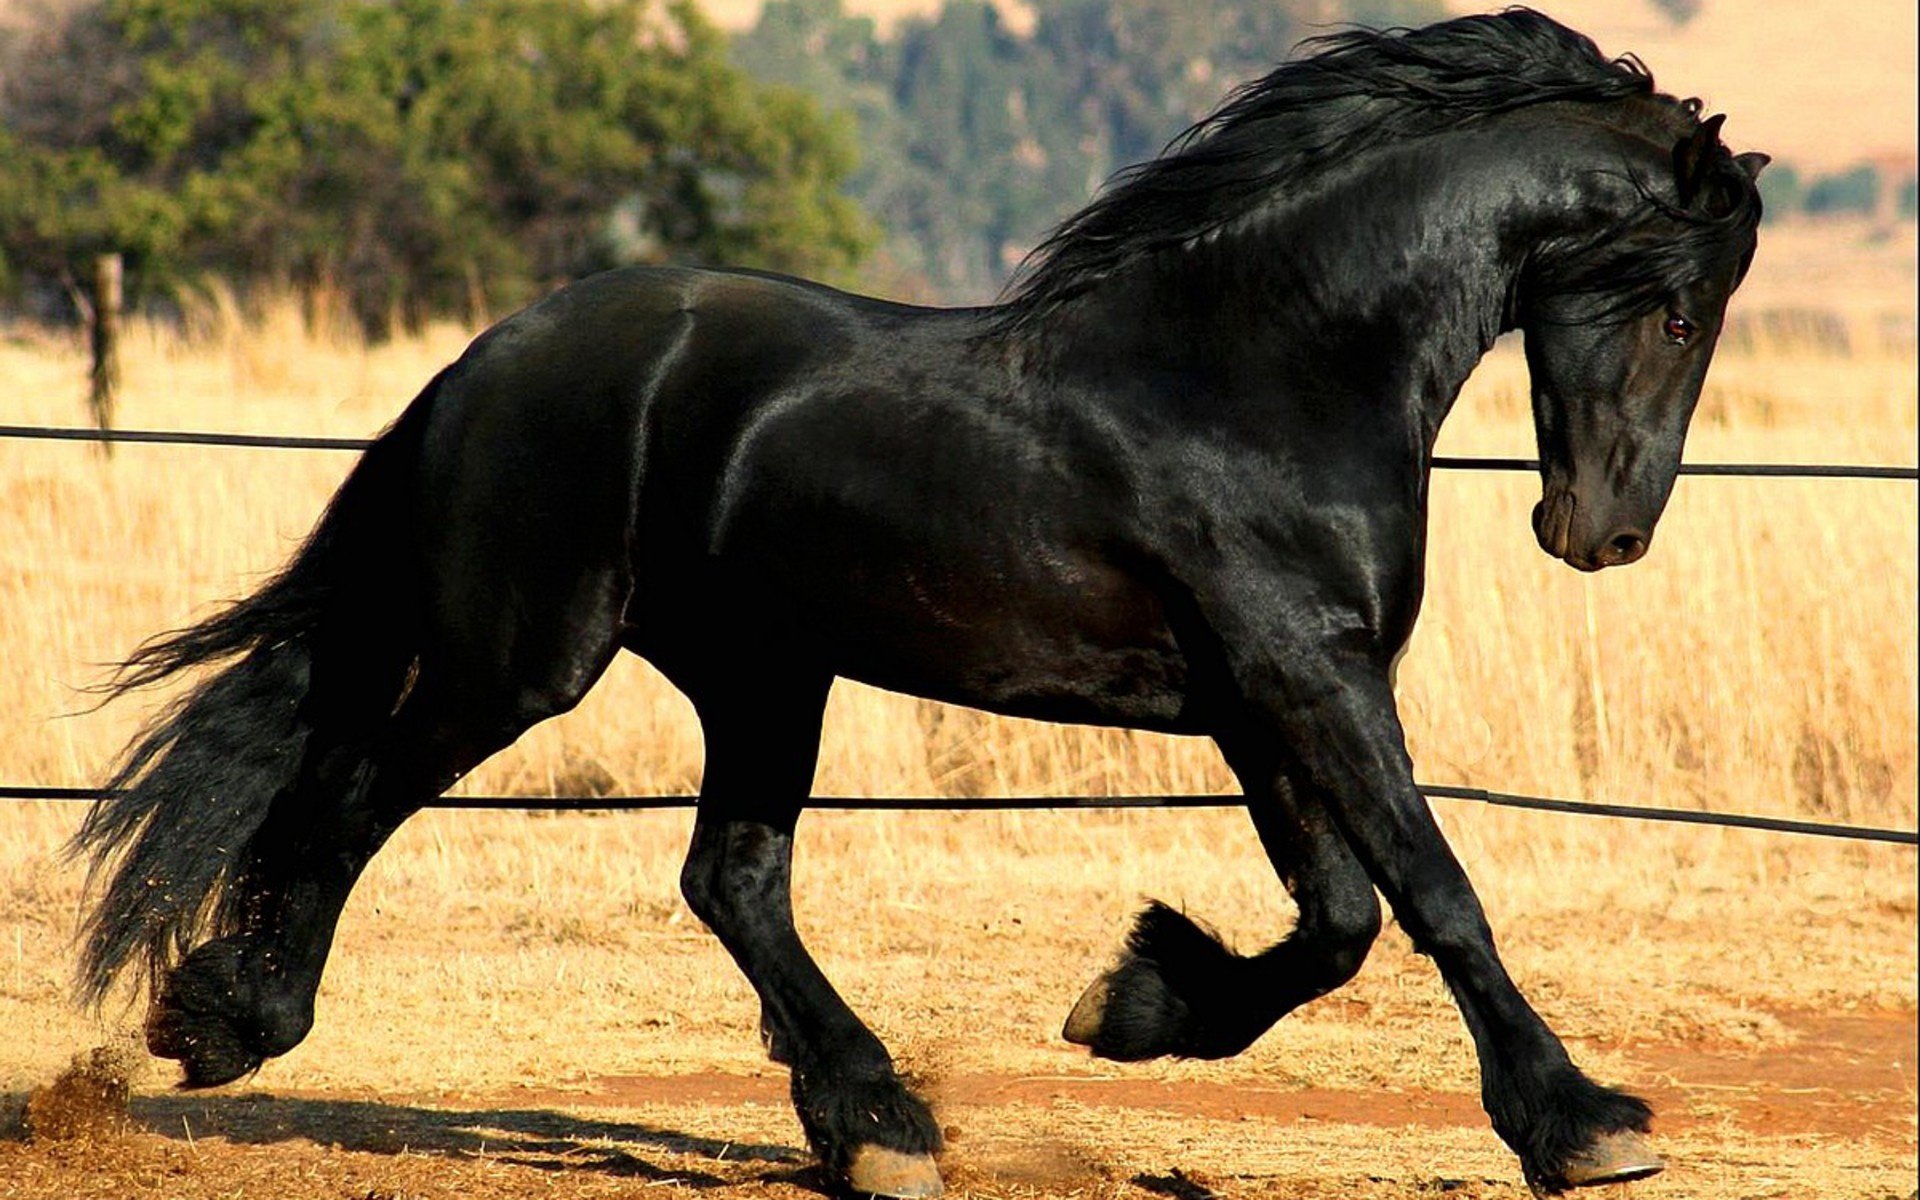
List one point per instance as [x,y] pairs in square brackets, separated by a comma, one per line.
[1620,325]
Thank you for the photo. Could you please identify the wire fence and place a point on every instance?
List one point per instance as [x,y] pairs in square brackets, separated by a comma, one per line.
[173,437]
[264,441]
[1686,816]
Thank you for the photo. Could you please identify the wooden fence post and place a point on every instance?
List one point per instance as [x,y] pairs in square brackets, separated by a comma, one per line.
[105,378]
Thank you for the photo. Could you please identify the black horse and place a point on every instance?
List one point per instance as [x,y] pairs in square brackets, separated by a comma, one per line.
[1177,481]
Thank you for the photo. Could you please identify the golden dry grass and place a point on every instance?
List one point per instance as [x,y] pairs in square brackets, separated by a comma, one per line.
[1762,659]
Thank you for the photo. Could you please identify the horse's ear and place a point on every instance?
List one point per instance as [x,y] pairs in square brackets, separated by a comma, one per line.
[1691,156]
[1752,162]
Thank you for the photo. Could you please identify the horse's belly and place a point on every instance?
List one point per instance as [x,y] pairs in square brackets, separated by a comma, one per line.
[1138,687]
[1082,644]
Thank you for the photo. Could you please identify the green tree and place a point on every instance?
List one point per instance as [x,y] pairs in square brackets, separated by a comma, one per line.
[416,154]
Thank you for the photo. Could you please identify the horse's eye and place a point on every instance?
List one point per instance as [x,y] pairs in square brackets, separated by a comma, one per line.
[1679,330]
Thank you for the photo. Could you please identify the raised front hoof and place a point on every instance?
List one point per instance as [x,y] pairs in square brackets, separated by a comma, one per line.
[1619,1157]
[1177,991]
[1127,1015]
[1132,1013]
[1083,1023]
[879,1171]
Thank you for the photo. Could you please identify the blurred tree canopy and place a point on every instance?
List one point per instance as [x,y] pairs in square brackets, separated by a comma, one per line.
[1854,190]
[977,138]
[412,155]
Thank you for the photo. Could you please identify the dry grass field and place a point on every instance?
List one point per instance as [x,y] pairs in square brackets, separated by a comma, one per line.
[520,1005]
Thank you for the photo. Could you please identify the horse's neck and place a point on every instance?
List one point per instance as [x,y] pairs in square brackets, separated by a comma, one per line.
[1388,283]
[1403,270]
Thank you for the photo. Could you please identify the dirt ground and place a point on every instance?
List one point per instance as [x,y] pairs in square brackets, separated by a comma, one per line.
[1830,1115]
[519,1006]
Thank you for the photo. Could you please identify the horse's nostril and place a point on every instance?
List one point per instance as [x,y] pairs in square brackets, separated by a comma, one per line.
[1626,547]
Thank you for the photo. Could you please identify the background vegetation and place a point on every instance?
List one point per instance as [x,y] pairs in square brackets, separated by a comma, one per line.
[415,157]
[408,157]
[978,136]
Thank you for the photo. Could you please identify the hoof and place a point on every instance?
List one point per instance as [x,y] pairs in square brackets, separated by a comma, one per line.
[1611,1158]
[1614,1158]
[1175,991]
[210,1051]
[215,1017]
[878,1171]
[1083,1023]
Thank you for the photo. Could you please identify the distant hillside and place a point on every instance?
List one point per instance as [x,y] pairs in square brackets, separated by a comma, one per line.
[981,124]
[1822,82]
[978,133]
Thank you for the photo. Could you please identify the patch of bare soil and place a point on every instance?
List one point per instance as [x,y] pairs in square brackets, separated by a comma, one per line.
[1851,1073]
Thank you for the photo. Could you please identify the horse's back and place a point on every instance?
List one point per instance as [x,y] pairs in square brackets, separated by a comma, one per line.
[759,466]
[553,413]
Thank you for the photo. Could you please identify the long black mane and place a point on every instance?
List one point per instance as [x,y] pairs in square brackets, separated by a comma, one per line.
[1356,90]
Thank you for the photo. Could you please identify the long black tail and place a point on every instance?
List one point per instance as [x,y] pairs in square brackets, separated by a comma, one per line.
[195,787]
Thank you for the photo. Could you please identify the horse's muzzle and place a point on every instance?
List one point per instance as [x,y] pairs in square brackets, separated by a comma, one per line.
[1558,527]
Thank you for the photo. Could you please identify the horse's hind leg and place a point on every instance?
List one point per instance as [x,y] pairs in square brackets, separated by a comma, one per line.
[248,994]
[1178,991]
[870,1132]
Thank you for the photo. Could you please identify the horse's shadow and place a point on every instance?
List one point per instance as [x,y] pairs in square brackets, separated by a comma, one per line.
[538,1138]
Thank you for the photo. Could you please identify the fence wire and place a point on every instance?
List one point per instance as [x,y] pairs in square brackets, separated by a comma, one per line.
[188,437]
[1856,833]
[182,437]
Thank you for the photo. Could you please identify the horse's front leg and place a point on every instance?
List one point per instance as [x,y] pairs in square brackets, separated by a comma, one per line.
[1333,713]
[872,1134]
[1178,991]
